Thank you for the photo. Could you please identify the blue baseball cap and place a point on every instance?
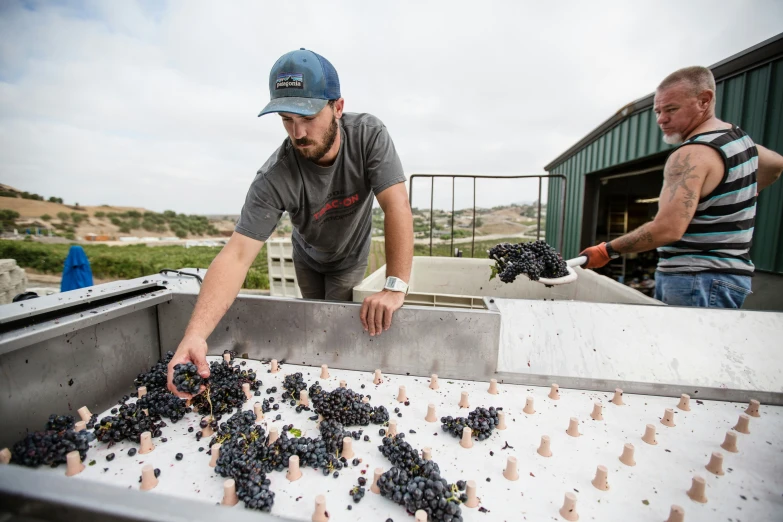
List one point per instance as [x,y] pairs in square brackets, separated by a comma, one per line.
[301,82]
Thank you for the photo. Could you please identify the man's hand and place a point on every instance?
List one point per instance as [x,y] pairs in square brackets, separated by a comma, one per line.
[377,310]
[191,349]
[597,256]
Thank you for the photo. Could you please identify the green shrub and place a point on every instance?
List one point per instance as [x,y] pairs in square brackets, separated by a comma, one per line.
[125,229]
[78,218]
[100,214]
[181,233]
[46,217]
[8,194]
[63,216]
[133,214]
[116,221]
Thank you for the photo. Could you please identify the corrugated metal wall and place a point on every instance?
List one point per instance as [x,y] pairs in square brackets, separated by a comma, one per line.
[753,100]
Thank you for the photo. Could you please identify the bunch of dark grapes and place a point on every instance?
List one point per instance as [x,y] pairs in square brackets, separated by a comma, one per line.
[186,378]
[50,446]
[535,260]
[357,493]
[481,421]
[224,388]
[346,407]
[157,376]
[242,422]
[128,423]
[416,483]
[293,384]
[163,403]
[242,458]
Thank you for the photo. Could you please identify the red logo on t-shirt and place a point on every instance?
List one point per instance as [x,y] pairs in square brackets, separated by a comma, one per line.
[337,203]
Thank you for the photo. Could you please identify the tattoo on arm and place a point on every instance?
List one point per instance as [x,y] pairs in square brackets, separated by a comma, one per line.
[628,243]
[676,176]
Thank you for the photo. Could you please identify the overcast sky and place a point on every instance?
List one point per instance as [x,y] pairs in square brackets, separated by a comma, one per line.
[154,104]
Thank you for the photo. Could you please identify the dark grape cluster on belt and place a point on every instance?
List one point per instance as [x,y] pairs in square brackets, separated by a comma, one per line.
[50,446]
[481,421]
[293,384]
[535,260]
[163,403]
[346,407]
[416,483]
[157,376]
[224,388]
[186,378]
[129,423]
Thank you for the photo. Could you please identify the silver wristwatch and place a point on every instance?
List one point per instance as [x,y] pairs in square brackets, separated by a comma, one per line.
[395,284]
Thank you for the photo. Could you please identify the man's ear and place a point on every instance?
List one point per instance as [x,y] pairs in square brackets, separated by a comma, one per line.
[338,108]
[705,99]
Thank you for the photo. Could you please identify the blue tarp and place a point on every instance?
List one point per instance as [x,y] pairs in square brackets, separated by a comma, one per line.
[77,272]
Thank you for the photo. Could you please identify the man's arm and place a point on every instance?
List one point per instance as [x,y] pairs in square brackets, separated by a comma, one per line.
[221,285]
[770,167]
[683,177]
[377,309]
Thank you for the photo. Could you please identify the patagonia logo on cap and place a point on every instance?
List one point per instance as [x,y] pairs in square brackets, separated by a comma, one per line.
[289,81]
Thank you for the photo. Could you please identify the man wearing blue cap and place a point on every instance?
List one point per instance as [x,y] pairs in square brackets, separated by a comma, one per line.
[324,175]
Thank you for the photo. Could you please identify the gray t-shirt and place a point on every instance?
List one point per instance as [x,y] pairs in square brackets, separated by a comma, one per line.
[330,207]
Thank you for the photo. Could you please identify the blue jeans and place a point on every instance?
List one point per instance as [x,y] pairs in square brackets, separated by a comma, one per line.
[703,289]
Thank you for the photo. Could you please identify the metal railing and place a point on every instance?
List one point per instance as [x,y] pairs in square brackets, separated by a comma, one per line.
[453,177]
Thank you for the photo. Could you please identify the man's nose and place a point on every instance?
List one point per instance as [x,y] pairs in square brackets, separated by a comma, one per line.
[662,119]
[299,131]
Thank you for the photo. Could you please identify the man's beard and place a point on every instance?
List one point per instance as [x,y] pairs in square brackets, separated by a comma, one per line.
[672,139]
[317,153]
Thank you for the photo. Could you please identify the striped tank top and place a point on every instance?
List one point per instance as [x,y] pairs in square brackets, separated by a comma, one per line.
[719,236]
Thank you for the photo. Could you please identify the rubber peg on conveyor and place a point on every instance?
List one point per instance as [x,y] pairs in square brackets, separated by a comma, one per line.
[273,366]
[431,417]
[434,382]
[324,372]
[320,514]
[730,442]
[146,443]
[73,463]
[697,491]
[463,400]
[365,400]
[467,438]
[472,496]
[208,431]
[376,475]
[246,389]
[215,454]
[568,511]
[668,418]
[148,478]
[649,435]
[85,414]
[554,392]
[501,420]
[343,384]
[685,402]
[420,516]
[573,427]
[273,435]
[79,426]
[743,424]
[677,514]
[529,406]
[347,451]
[627,456]
[378,379]
[401,396]
[229,493]
[511,472]
[258,409]
[141,391]
[391,431]
[543,449]
[715,465]
[753,408]
[618,397]
[600,480]
[426,453]
[597,414]
[293,473]
[304,399]
[5,456]
[493,386]
[227,357]
[146,412]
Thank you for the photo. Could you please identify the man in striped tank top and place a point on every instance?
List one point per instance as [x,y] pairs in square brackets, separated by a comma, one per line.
[704,226]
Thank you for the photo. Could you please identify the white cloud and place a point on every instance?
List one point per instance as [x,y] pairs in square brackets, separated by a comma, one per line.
[155,104]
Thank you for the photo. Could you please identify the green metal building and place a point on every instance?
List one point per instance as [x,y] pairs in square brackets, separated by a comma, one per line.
[614,174]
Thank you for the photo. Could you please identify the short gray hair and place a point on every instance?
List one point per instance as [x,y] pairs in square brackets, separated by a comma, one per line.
[699,78]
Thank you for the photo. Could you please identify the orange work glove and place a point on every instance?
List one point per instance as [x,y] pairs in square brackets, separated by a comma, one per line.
[597,256]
